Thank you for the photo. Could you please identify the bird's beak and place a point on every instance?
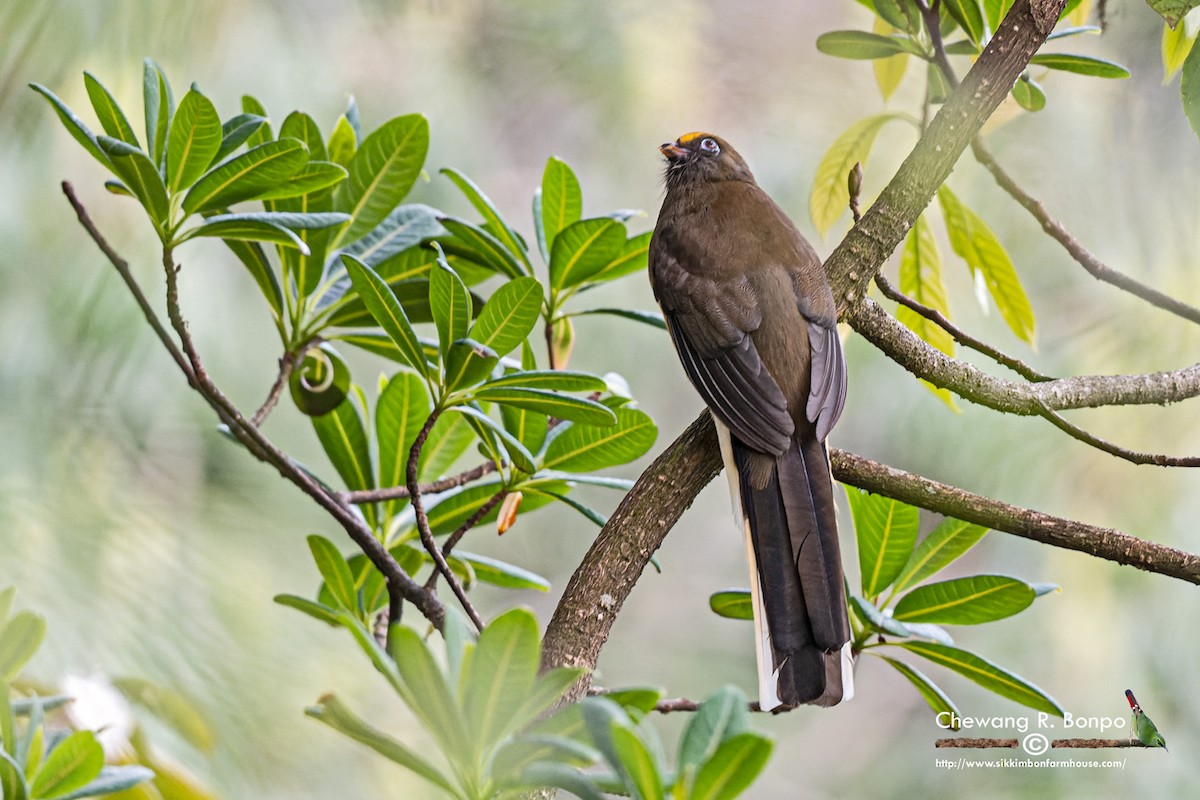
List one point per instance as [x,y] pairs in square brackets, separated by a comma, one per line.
[673,151]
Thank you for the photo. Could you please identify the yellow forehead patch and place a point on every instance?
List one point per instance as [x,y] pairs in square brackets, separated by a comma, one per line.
[691,137]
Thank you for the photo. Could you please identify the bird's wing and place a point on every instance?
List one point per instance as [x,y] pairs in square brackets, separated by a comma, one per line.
[710,324]
[827,391]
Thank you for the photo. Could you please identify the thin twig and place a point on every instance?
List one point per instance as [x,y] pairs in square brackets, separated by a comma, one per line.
[261,447]
[1094,266]
[960,336]
[362,496]
[287,363]
[453,539]
[422,519]
[1132,456]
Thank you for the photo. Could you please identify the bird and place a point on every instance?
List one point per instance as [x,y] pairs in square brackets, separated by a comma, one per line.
[749,310]
[1143,727]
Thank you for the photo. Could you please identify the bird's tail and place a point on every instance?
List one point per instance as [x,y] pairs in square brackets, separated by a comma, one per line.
[796,587]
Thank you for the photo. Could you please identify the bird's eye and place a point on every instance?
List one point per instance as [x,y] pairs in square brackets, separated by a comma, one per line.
[710,146]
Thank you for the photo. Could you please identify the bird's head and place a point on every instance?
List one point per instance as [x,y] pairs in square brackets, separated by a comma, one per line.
[699,156]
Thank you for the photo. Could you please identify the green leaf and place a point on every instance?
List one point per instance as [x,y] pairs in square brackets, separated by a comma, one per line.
[965,601]
[637,762]
[732,604]
[317,611]
[71,765]
[495,223]
[969,17]
[944,545]
[633,257]
[996,11]
[521,458]
[299,125]
[1173,11]
[938,700]
[245,177]
[830,197]
[1028,94]
[731,770]
[20,638]
[343,142]
[12,778]
[720,717]
[450,304]
[1080,65]
[551,403]
[886,531]
[986,674]
[871,614]
[255,260]
[112,118]
[561,199]
[385,308]
[1189,89]
[112,780]
[481,246]
[238,130]
[263,133]
[502,574]
[509,316]
[559,379]
[321,381]
[345,442]
[312,177]
[500,675]
[405,226]
[436,707]
[193,142]
[860,45]
[244,228]
[921,280]
[591,514]
[1176,44]
[652,318]
[382,172]
[468,363]
[74,125]
[335,572]
[336,715]
[587,448]
[583,249]
[400,411]
[561,776]
[976,244]
[140,175]
[158,106]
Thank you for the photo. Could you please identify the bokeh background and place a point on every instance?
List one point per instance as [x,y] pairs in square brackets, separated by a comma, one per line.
[153,545]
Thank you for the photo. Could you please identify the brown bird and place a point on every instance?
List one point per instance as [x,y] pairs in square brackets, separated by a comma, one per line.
[749,309]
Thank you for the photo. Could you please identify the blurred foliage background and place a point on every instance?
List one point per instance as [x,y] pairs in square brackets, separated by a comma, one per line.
[153,545]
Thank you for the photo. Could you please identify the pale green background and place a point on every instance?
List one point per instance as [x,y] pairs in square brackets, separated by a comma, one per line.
[154,546]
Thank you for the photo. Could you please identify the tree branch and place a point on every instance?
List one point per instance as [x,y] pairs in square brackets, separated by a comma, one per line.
[1086,391]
